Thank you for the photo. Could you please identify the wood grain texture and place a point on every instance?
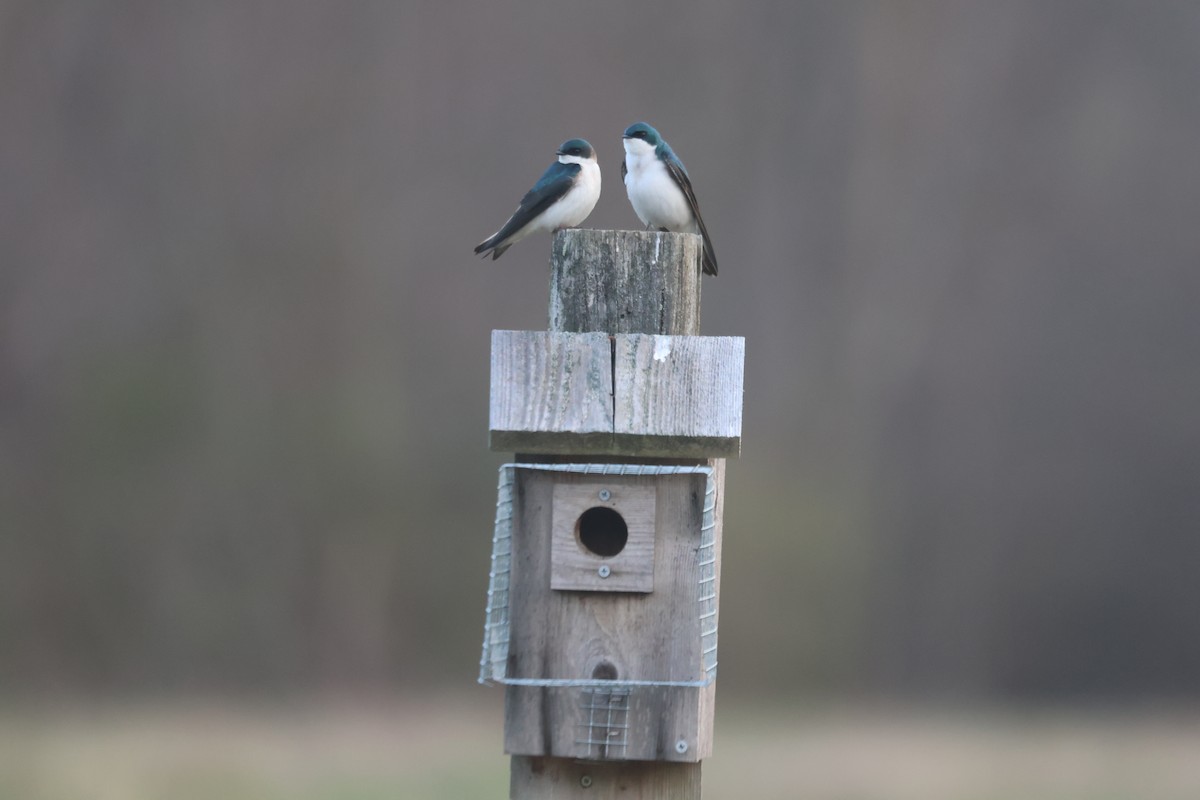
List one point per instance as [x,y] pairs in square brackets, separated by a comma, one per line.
[668,396]
[622,282]
[678,395]
[550,390]
[625,281]
[537,778]
[571,635]
[574,567]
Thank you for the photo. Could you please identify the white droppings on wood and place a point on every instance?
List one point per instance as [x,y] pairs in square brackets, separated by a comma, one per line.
[676,395]
[662,348]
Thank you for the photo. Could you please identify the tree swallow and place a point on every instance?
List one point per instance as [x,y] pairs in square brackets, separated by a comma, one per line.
[562,198]
[659,188]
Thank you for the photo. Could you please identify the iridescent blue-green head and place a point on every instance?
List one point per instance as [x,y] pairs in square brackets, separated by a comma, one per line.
[643,132]
[640,140]
[576,148]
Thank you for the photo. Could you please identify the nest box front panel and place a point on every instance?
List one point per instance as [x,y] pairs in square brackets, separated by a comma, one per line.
[602,537]
[593,631]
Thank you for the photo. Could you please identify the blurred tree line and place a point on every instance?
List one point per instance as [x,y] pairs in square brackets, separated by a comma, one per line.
[243,348]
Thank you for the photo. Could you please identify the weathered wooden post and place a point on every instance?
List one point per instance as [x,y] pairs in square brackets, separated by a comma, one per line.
[602,602]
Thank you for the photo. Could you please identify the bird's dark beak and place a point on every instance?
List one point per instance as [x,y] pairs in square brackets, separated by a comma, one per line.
[626,137]
[559,153]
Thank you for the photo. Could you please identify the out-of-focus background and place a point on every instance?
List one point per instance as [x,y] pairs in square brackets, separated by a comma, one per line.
[245,491]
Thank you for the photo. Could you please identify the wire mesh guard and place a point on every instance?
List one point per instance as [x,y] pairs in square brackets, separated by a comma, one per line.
[493,664]
[604,733]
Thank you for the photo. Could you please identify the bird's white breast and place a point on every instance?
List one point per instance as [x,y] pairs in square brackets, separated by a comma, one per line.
[655,197]
[574,207]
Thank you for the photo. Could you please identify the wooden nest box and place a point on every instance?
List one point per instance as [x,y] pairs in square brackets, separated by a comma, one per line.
[605,580]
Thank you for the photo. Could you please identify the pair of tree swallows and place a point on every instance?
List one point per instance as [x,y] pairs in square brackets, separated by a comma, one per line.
[656,181]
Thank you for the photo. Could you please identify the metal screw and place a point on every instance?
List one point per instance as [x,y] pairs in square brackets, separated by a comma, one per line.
[585,781]
[605,495]
[604,571]
[681,747]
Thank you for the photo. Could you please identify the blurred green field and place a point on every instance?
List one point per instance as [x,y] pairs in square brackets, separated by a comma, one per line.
[428,748]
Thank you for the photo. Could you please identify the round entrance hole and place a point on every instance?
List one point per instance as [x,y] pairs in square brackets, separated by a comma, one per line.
[602,531]
[604,671]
